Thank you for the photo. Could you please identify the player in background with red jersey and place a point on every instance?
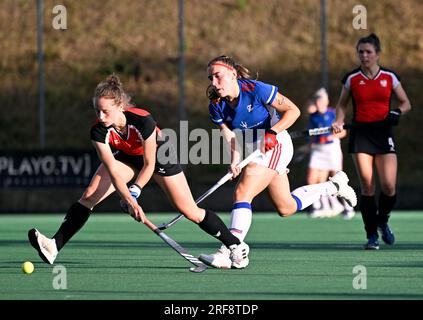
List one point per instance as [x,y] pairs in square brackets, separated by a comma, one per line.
[371,142]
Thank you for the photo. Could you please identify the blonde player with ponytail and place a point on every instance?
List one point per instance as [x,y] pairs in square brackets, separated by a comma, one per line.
[125,139]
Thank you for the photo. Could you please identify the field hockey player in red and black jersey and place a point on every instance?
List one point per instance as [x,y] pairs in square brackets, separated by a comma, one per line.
[371,140]
[125,139]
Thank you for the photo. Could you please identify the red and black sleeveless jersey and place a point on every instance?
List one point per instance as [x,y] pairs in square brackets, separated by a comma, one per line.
[371,97]
[140,126]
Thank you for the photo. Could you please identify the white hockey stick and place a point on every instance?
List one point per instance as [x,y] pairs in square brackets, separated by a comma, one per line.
[218,184]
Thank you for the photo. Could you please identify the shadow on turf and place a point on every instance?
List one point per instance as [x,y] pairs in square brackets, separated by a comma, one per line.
[264,245]
[214,246]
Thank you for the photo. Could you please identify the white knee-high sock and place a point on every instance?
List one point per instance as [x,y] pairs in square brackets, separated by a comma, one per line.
[241,217]
[306,195]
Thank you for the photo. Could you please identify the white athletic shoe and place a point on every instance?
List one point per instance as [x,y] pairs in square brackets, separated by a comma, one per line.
[46,247]
[220,259]
[239,255]
[235,257]
[337,207]
[340,180]
[348,214]
[317,214]
[321,213]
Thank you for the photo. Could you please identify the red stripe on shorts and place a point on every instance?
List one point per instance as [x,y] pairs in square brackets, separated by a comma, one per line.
[277,151]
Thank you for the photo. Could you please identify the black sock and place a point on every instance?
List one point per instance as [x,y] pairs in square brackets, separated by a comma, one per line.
[215,227]
[368,210]
[386,204]
[74,220]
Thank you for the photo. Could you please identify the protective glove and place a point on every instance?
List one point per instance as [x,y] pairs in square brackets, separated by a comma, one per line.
[135,191]
[393,117]
[270,140]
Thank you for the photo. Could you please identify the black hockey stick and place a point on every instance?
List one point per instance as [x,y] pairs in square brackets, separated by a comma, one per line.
[199,266]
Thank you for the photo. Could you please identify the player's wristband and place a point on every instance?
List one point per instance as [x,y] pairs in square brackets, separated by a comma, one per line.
[135,191]
[394,116]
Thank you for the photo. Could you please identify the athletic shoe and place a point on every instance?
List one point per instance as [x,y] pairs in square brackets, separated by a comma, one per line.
[340,180]
[239,255]
[387,234]
[46,247]
[372,243]
[317,214]
[337,207]
[321,213]
[220,259]
[348,214]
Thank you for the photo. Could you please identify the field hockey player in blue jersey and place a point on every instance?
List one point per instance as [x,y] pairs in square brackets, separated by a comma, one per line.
[239,103]
[325,157]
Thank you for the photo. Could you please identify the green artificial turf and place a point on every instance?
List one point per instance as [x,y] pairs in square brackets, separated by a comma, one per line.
[115,258]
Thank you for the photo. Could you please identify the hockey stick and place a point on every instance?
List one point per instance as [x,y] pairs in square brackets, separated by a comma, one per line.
[323,130]
[300,153]
[243,163]
[221,182]
[314,131]
[199,266]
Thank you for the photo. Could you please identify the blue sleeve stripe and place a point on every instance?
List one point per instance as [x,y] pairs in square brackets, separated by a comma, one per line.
[272,95]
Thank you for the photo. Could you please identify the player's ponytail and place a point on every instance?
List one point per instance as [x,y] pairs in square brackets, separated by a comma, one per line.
[243,72]
[114,81]
[111,88]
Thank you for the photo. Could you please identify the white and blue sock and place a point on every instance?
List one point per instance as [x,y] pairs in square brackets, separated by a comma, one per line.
[241,217]
[307,195]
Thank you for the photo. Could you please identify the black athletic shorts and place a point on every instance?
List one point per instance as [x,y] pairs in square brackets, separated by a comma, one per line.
[371,140]
[166,168]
